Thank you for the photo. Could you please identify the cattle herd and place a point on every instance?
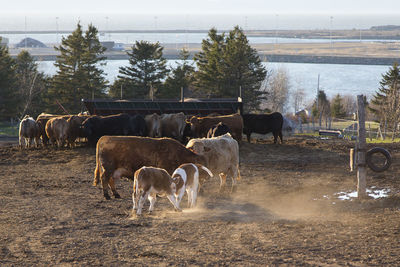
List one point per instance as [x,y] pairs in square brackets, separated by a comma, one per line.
[164,154]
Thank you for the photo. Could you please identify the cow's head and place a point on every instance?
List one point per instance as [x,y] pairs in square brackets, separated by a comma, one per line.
[199,148]
[194,123]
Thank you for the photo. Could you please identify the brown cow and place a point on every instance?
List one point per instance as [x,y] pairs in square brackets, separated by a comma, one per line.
[173,125]
[201,125]
[121,156]
[28,131]
[41,120]
[57,131]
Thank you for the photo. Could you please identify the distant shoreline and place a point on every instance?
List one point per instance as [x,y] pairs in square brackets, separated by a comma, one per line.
[365,34]
[270,58]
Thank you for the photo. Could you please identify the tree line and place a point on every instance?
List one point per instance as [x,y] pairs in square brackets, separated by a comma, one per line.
[225,65]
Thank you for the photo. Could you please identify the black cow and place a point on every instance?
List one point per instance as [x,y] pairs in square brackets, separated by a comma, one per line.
[263,124]
[218,130]
[121,124]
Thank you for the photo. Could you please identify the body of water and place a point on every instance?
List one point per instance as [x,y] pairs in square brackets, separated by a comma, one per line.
[334,78]
[178,38]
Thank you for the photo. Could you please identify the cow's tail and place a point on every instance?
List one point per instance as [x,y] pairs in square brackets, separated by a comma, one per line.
[238,176]
[207,170]
[97,170]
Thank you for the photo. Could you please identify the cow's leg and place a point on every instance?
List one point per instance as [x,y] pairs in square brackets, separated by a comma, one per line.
[189,196]
[173,201]
[105,177]
[37,141]
[280,136]
[21,142]
[134,199]
[234,174]
[222,178]
[192,192]
[152,200]
[179,196]
[248,137]
[143,196]
[111,183]
[275,137]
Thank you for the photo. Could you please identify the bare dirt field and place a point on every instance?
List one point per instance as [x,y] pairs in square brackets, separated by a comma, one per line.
[285,212]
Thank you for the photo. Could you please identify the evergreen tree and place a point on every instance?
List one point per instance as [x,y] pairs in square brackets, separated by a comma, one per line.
[228,63]
[8,83]
[180,77]
[147,69]
[31,85]
[386,103]
[337,107]
[208,77]
[78,75]
[322,108]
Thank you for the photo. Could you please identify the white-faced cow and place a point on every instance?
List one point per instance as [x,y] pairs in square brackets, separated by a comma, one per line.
[222,155]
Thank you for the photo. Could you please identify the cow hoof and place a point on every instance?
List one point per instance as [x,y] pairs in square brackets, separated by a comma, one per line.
[107,197]
[116,195]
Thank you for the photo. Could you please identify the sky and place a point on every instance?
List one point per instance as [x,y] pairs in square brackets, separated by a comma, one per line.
[202,7]
[167,14]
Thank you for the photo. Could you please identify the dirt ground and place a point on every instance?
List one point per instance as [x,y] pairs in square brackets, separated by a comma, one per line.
[285,212]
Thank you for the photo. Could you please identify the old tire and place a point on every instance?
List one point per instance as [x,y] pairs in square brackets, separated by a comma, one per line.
[385,153]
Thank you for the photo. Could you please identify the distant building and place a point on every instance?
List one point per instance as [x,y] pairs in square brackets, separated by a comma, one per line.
[108,45]
[113,46]
[31,43]
[118,47]
[3,41]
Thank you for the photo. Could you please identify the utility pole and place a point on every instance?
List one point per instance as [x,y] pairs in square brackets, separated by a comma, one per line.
[318,94]
[361,147]
[330,32]
[56,30]
[25,33]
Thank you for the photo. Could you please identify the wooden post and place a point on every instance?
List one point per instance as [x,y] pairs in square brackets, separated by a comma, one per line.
[182,95]
[361,148]
[369,132]
[351,159]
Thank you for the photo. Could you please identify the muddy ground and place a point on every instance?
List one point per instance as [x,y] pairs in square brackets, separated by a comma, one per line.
[285,212]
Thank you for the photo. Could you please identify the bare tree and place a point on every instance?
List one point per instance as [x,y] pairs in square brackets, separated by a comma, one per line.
[298,99]
[349,104]
[277,88]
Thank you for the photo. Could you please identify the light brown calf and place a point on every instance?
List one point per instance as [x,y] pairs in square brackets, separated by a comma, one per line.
[150,182]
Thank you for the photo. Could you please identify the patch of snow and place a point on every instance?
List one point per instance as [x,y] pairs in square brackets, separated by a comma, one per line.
[373,192]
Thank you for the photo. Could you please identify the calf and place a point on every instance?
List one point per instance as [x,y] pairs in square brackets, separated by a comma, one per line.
[218,130]
[186,177]
[28,131]
[150,182]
